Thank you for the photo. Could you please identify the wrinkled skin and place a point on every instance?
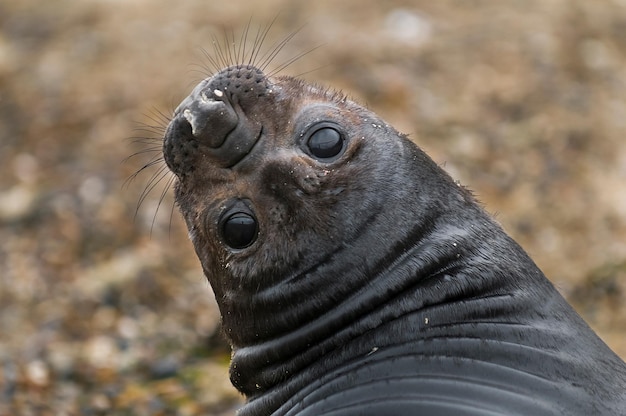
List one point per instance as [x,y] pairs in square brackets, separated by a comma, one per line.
[375,284]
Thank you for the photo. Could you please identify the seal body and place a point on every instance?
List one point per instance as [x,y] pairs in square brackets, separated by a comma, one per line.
[355,277]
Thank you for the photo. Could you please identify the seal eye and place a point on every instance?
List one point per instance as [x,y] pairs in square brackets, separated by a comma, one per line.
[325,143]
[239,230]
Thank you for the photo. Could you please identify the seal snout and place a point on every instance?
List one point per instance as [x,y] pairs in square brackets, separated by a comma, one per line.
[216,119]
[210,120]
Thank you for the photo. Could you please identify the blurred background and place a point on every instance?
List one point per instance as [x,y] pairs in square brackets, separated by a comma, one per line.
[103,306]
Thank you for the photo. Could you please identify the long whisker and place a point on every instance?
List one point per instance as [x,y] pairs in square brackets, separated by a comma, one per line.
[259,40]
[147,150]
[242,43]
[219,53]
[229,45]
[162,173]
[156,160]
[211,60]
[150,136]
[269,56]
[166,188]
[284,65]
[168,185]
[199,69]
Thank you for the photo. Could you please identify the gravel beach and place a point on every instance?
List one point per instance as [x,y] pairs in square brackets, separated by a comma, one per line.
[103,306]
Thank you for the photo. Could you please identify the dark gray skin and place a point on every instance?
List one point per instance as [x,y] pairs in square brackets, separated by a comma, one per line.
[375,284]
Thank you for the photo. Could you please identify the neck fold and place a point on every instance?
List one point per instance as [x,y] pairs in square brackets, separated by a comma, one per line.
[358,289]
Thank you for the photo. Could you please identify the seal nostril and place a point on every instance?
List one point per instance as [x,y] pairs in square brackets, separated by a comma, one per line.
[210,121]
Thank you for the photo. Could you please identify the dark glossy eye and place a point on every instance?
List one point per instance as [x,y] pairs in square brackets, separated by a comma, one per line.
[239,230]
[325,143]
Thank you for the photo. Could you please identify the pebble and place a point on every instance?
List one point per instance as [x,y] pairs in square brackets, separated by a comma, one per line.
[16,203]
[101,352]
[37,373]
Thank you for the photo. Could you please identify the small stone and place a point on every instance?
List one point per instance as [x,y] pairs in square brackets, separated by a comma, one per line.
[127,327]
[101,402]
[101,351]
[166,367]
[16,203]
[409,26]
[37,373]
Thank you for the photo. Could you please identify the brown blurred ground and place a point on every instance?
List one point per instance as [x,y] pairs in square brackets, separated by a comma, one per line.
[105,313]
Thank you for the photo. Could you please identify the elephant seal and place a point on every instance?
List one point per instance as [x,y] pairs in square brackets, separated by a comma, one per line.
[355,277]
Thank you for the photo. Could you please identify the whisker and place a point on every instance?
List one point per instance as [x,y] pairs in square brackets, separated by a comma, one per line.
[217,48]
[147,131]
[284,65]
[242,43]
[230,46]
[202,70]
[166,188]
[269,56]
[159,175]
[148,150]
[298,75]
[156,160]
[160,121]
[153,141]
[259,40]
[211,60]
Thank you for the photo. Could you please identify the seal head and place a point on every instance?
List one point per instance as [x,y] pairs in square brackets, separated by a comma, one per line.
[354,276]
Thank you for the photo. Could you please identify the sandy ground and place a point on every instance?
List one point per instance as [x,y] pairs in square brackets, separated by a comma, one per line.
[103,307]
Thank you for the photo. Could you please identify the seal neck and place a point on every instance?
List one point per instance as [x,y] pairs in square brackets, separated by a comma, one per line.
[359,290]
